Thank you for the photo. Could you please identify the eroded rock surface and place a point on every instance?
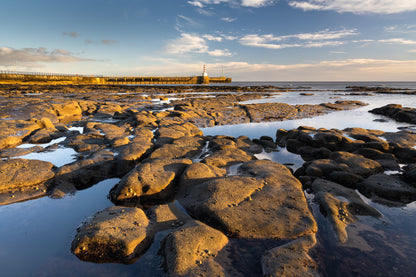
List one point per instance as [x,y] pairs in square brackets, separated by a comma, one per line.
[190,251]
[265,201]
[116,234]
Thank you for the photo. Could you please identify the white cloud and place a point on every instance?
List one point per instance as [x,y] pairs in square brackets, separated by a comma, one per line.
[228,19]
[187,43]
[309,40]
[213,38]
[256,3]
[357,6]
[245,3]
[32,57]
[404,29]
[398,41]
[220,53]
[196,4]
[191,43]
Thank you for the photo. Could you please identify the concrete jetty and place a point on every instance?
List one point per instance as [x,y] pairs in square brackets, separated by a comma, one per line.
[12,77]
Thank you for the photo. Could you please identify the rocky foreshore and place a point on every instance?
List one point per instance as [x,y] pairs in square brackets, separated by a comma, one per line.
[205,193]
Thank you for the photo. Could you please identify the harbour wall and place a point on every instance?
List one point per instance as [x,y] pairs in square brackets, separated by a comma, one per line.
[10,77]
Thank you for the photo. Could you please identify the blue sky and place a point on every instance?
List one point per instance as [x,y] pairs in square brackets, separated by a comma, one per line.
[249,40]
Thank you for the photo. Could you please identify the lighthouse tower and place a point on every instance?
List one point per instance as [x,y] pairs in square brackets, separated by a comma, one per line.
[205,77]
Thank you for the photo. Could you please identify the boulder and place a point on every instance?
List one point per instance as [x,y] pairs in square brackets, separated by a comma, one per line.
[291,259]
[337,213]
[355,204]
[116,234]
[185,147]
[357,163]
[21,173]
[85,173]
[244,143]
[167,134]
[190,251]
[266,202]
[227,157]
[198,173]
[153,180]
[389,187]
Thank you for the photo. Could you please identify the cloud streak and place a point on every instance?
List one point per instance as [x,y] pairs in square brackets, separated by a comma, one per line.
[357,6]
[195,44]
[33,57]
[307,40]
[244,3]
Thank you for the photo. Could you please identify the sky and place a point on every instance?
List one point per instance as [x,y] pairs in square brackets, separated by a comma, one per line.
[248,40]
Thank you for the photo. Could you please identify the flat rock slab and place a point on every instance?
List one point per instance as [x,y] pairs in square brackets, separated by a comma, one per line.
[18,173]
[116,234]
[266,201]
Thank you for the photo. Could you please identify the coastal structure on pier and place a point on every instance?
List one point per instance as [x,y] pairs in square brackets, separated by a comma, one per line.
[11,77]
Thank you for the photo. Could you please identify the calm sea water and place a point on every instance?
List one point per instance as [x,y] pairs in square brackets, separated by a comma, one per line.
[35,236]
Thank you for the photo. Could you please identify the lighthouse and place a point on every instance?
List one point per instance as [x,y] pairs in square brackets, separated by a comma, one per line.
[205,77]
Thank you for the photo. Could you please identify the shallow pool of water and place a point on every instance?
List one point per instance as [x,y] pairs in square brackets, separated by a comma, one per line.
[58,157]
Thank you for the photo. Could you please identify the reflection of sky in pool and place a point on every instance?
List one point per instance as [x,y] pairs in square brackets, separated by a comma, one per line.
[44,145]
[58,157]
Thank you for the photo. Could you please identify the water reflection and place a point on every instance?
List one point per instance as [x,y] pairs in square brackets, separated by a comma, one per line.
[58,157]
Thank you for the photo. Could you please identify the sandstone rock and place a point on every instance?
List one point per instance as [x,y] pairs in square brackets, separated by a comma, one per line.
[270,111]
[357,163]
[87,142]
[68,111]
[167,134]
[355,204]
[12,132]
[221,142]
[389,187]
[85,173]
[152,180]
[337,213]
[190,251]
[345,178]
[109,131]
[227,157]
[116,234]
[198,173]
[397,112]
[133,152]
[21,173]
[184,147]
[44,135]
[145,119]
[291,259]
[325,167]
[266,202]
[410,173]
[245,144]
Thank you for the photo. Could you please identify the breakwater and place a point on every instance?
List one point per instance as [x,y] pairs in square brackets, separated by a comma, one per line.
[11,77]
